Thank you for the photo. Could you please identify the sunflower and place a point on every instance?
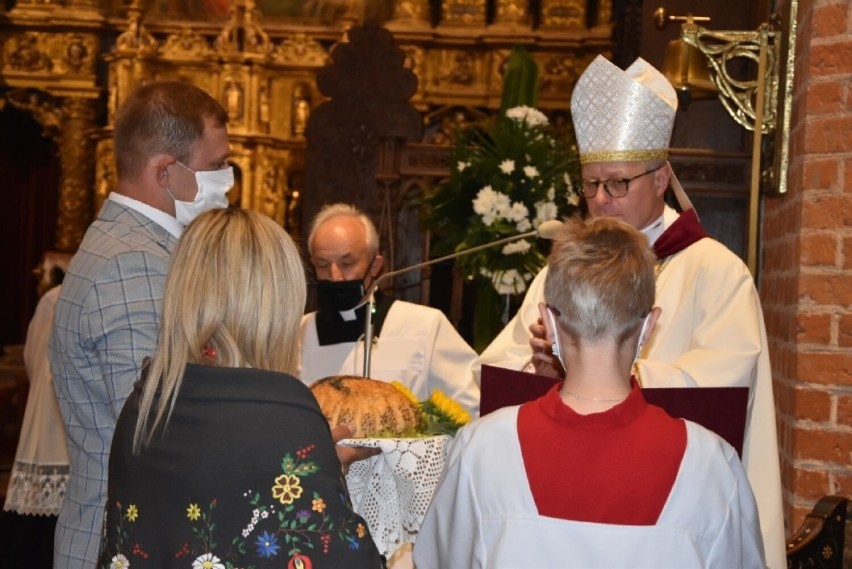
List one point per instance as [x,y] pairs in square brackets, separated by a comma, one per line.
[405,391]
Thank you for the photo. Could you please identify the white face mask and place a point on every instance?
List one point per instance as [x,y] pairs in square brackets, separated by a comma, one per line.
[641,341]
[213,185]
[555,346]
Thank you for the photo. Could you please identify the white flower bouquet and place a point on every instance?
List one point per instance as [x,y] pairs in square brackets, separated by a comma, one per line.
[507,177]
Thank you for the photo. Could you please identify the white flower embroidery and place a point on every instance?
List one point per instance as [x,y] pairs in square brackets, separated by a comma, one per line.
[574,199]
[507,166]
[462,165]
[207,561]
[523,225]
[551,193]
[119,562]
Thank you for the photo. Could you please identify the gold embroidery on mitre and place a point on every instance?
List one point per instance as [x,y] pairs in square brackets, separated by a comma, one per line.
[624,155]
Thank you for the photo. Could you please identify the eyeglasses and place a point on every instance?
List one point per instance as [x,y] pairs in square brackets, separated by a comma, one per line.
[615,188]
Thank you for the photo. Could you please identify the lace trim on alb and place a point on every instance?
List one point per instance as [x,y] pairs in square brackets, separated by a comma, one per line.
[36,490]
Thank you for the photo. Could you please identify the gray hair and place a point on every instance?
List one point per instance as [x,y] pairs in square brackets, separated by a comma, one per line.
[600,278]
[349,210]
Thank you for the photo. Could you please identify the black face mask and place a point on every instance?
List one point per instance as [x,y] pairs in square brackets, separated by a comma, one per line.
[339,295]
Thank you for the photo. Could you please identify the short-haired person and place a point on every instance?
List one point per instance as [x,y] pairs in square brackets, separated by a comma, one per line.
[220,454]
[171,152]
[711,331]
[414,344]
[590,475]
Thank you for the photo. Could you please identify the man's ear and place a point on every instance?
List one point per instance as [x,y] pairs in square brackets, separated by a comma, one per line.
[376,266]
[547,321]
[653,316]
[160,165]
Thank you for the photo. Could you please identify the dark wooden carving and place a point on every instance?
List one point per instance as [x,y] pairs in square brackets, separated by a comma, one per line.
[819,542]
[369,89]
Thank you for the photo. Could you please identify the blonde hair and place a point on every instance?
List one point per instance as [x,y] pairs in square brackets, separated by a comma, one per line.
[235,284]
[600,278]
[345,210]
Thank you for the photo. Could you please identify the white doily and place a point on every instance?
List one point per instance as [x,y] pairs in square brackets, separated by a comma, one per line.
[392,490]
[36,490]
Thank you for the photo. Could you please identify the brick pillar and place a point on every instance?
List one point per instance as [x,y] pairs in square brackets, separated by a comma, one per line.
[806,282]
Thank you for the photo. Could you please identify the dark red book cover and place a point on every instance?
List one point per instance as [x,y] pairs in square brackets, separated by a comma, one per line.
[721,409]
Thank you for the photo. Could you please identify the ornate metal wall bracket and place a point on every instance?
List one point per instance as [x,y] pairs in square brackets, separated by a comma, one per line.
[765,101]
[762,104]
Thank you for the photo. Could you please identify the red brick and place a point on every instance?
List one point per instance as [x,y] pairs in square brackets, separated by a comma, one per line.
[822,445]
[819,249]
[827,211]
[828,135]
[847,166]
[833,58]
[844,334]
[829,20]
[809,484]
[820,174]
[824,367]
[813,328]
[844,411]
[822,289]
[842,484]
[846,253]
[823,98]
[811,405]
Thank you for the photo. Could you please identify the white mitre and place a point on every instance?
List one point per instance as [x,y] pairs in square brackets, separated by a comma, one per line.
[623,116]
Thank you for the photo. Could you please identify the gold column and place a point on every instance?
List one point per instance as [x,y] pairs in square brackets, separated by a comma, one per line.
[75,155]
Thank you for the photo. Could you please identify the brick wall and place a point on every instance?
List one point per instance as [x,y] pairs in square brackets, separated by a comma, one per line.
[806,280]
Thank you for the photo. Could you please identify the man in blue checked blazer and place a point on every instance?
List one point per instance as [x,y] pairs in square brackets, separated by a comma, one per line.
[171,149]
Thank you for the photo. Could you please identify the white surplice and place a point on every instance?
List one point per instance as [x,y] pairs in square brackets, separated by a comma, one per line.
[483,513]
[417,346]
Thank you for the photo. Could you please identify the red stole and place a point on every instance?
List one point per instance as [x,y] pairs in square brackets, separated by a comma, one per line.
[615,467]
[685,231]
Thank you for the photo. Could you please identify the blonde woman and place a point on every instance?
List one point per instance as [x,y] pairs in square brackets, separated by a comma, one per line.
[220,457]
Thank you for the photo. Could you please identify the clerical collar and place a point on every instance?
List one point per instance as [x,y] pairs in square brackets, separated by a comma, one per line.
[656,228]
[335,327]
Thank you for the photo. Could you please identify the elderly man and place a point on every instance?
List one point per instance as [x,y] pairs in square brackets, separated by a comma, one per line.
[171,150]
[711,331]
[415,345]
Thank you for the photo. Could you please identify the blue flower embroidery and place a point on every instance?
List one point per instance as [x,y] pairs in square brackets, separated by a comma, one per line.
[267,545]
